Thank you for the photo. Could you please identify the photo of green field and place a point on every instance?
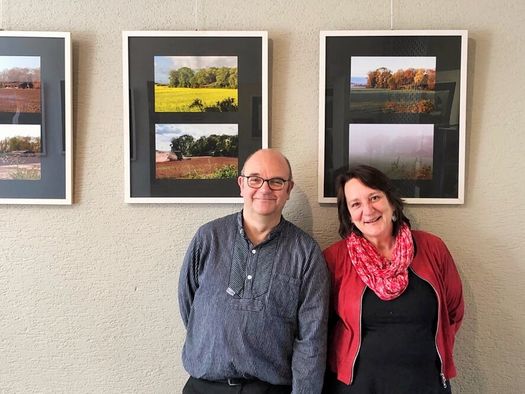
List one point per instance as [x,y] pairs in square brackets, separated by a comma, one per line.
[196,84]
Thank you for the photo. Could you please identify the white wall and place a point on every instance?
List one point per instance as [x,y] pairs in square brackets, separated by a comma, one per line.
[88,292]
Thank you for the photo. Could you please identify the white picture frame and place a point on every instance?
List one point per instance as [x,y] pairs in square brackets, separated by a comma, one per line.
[36,167]
[357,106]
[161,167]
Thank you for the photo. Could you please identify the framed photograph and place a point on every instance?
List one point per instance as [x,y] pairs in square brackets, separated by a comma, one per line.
[195,107]
[35,118]
[394,100]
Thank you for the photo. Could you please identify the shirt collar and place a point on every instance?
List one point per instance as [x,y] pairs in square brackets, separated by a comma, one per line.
[274,233]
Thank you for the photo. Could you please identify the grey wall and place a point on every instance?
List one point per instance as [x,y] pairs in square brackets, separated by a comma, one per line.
[88,292]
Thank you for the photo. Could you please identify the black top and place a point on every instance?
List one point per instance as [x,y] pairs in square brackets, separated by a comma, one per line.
[398,350]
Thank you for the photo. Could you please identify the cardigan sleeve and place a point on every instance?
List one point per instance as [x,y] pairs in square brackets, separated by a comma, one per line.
[454,291]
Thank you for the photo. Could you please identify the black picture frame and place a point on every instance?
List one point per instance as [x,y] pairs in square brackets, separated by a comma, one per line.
[161,167]
[395,100]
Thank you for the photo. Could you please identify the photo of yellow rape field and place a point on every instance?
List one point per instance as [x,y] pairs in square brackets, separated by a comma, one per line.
[196,84]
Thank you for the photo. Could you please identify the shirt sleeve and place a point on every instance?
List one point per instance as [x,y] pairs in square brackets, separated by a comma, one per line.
[188,279]
[453,291]
[309,350]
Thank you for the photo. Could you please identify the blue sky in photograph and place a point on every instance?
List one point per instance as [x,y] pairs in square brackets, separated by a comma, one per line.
[164,132]
[361,65]
[19,130]
[7,62]
[164,64]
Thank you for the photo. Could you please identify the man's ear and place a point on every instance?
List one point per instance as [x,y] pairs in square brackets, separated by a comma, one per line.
[291,184]
[240,182]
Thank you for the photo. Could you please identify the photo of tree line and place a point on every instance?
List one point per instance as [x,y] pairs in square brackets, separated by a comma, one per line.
[20,148]
[210,77]
[196,84]
[212,145]
[410,78]
[26,144]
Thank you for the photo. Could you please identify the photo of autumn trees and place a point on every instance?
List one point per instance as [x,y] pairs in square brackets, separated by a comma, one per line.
[196,84]
[20,84]
[396,84]
[196,151]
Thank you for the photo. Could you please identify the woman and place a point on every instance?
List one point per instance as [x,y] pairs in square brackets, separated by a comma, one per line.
[396,296]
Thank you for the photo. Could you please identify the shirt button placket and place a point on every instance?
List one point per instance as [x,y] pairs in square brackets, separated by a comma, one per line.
[248,285]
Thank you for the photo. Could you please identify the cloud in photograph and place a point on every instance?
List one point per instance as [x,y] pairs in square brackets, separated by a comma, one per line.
[19,130]
[165,64]
[361,65]
[165,132]
[9,62]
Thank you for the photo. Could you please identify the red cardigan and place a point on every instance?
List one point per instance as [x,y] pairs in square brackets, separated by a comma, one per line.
[432,262]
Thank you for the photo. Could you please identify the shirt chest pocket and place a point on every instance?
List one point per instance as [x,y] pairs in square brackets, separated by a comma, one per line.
[283,297]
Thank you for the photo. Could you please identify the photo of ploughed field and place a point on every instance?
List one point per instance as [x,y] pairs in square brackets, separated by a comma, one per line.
[20,84]
[196,151]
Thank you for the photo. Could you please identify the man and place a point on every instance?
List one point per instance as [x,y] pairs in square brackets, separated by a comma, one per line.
[253,294]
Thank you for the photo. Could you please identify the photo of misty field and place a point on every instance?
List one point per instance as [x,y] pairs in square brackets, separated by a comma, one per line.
[196,84]
[196,151]
[401,151]
[20,84]
[20,147]
[392,84]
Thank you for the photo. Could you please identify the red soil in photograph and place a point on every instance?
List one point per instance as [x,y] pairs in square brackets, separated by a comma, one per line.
[201,165]
[19,100]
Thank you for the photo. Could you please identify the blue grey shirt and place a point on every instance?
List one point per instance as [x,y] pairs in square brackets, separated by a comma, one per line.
[255,312]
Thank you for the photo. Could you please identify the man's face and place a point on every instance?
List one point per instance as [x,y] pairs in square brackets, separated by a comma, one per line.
[266,164]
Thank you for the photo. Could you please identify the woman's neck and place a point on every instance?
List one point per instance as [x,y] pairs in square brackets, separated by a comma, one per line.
[384,245]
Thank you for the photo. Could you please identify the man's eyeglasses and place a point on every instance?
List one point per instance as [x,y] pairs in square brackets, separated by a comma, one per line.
[256,182]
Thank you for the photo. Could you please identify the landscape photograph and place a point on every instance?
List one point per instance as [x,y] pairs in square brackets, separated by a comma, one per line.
[196,84]
[196,151]
[20,147]
[401,151]
[392,84]
[20,84]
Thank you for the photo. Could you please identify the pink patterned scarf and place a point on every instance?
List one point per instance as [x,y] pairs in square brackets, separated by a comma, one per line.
[388,279]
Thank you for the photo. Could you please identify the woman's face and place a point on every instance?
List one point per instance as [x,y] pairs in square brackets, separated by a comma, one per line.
[370,210]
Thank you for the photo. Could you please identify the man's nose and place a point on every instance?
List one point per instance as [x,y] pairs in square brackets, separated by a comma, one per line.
[266,186]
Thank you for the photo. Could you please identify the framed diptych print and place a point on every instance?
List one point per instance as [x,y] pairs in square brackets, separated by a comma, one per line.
[195,107]
[35,118]
[395,100]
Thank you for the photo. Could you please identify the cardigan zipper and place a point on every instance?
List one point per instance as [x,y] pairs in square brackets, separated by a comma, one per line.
[441,374]
[360,332]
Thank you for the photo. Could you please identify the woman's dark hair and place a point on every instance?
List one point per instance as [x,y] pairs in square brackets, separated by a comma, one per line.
[374,179]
